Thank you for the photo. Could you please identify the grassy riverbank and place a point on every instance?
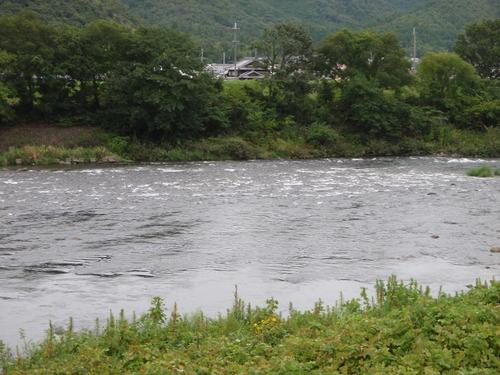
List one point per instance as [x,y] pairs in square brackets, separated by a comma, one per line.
[39,145]
[402,330]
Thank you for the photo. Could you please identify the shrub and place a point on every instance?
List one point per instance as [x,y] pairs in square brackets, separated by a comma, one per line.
[118,145]
[483,171]
[483,114]
[414,147]
[380,147]
[374,113]
[7,100]
[227,148]
[290,149]
[146,152]
[321,135]
[5,355]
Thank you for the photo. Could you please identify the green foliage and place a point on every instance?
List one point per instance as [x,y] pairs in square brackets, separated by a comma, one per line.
[31,46]
[483,171]
[5,353]
[451,141]
[157,311]
[484,114]
[373,113]
[286,47]
[147,87]
[479,45]
[438,21]
[322,135]
[7,95]
[7,100]
[76,12]
[448,83]
[345,55]
[403,329]
[227,148]
[143,82]
[118,145]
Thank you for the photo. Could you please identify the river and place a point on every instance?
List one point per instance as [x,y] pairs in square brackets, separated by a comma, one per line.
[78,242]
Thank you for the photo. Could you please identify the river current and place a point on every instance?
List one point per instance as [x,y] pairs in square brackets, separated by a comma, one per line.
[78,242]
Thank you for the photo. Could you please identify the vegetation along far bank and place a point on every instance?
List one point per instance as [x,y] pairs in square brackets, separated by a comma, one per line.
[145,95]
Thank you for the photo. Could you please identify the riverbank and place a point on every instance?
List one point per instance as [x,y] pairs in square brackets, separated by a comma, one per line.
[402,329]
[52,145]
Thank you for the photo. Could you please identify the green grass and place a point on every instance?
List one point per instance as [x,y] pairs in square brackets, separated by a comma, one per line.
[483,171]
[403,329]
[240,83]
[466,142]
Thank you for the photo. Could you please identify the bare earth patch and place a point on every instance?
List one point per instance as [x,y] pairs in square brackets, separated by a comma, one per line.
[46,134]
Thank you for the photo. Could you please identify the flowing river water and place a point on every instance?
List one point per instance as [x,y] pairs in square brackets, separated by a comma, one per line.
[78,242]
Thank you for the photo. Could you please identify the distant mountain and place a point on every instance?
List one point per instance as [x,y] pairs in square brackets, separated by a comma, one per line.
[437,21]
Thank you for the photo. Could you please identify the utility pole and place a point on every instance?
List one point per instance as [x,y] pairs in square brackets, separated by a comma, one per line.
[202,55]
[414,62]
[235,45]
[224,59]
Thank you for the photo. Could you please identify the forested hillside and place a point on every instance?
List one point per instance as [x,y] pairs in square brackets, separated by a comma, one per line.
[213,20]
[76,12]
[438,21]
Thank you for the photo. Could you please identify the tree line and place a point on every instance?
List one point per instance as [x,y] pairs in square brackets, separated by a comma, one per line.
[149,83]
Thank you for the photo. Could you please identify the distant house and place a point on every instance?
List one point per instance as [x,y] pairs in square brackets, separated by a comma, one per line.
[219,70]
[248,68]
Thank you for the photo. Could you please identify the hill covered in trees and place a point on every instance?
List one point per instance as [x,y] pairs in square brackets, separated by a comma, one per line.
[75,12]
[438,21]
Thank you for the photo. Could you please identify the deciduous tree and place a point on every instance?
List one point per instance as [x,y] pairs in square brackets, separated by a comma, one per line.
[345,55]
[480,46]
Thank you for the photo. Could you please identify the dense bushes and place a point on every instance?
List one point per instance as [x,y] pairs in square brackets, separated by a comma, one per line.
[403,329]
[144,82]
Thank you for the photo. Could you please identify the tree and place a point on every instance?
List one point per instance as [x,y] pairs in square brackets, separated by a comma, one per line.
[367,110]
[7,100]
[345,55]
[7,94]
[480,46]
[447,82]
[32,44]
[95,52]
[159,91]
[287,47]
